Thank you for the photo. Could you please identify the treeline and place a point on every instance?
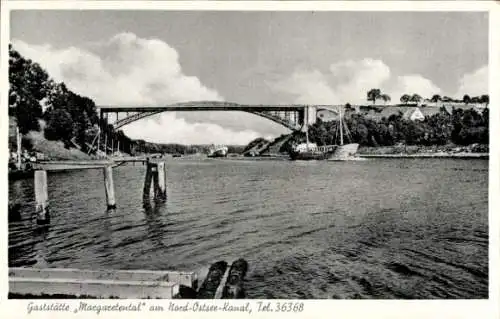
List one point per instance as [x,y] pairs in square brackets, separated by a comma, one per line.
[462,127]
[376,94]
[142,146]
[34,96]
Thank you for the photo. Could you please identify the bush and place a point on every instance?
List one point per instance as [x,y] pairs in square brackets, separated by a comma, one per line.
[59,126]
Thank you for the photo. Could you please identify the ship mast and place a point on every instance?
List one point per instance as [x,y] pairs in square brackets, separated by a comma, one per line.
[306,120]
[341,128]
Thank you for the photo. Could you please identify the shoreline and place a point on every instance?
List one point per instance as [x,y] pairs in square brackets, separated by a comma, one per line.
[368,155]
[429,155]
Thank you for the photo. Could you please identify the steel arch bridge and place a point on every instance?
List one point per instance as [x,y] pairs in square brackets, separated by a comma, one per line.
[293,117]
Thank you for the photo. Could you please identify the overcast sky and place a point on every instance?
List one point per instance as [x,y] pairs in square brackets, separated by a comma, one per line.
[158,57]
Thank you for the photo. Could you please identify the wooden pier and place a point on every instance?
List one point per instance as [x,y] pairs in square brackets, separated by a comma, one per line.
[156,179]
[137,284]
[221,282]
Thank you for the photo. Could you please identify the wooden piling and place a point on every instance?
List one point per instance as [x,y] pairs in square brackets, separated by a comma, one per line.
[155,175]
[147,182]
[109,187]
[160,185]
[41,198]
[165,179]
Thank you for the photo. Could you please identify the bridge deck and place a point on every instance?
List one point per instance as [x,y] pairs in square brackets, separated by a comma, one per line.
[202,107]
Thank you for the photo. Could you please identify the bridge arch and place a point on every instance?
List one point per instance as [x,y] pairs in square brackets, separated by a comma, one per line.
[289,116]
[277,119]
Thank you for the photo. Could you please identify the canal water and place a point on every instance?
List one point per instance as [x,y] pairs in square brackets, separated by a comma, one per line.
[381,228]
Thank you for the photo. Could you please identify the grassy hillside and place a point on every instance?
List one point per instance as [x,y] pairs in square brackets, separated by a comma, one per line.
[53,150]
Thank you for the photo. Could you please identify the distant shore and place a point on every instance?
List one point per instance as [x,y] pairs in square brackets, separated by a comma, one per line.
[428,155]
[285,157]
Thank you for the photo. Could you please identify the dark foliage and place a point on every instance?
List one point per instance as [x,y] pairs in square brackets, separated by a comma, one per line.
[59,125]
[463,127]
[28,86]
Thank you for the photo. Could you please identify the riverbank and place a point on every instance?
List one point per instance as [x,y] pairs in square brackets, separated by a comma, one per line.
[420,151]
[285,157]
[429,155]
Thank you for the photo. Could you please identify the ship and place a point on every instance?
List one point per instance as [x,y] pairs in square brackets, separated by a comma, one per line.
[217,151]
[311,151]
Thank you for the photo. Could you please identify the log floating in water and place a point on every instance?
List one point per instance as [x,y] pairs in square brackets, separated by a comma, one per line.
[212,281]
[186,292]
[233,289]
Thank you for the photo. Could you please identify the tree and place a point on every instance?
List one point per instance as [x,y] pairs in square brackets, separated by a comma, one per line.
[59,125]
[436,98]
[385,97]
[416,98]
[28,86]
[466,99]
[405,98]
[485,99]
[373,95]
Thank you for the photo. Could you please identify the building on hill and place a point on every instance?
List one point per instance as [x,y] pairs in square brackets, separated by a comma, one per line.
[413,114]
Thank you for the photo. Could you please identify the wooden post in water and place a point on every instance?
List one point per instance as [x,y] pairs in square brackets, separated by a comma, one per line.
[160,181]
[156,175]
[147,181]
[41,198]
[109,187]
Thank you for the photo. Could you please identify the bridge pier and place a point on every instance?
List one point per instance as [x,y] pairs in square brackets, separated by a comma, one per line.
[41,198]
[156,174]
[109,187]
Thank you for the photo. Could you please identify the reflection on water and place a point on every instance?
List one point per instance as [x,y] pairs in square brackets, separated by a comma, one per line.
[402,228]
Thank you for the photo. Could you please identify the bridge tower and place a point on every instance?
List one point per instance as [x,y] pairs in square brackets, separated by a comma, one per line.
[311,114]
[308,117]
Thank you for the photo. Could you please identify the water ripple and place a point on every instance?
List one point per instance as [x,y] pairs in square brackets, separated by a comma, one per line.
[372,229]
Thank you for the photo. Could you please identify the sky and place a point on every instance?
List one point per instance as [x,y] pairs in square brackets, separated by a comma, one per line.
[162,57]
